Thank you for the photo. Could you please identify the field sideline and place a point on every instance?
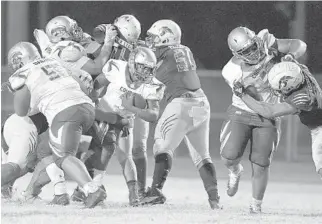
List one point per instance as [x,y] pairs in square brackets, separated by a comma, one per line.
[294,195]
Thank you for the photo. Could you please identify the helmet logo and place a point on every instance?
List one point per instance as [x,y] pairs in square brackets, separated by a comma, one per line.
[164,30]
[283,81]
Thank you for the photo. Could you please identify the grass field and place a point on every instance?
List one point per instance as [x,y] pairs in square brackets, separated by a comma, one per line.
[294,195]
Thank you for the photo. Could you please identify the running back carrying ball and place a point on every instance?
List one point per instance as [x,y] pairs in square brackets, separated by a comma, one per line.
[139,101]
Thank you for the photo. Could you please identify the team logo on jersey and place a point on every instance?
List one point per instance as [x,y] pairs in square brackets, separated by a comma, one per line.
[164,30]
[283,81]
[16,59]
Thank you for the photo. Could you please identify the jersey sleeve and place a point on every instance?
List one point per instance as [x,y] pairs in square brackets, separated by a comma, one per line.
[90,45]
[157,91]
[110,70]
[231,72]
[300,100]
[18,79]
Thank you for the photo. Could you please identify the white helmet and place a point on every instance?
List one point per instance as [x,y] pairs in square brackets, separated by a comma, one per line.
[245,44]
[142,64]
[163,33]
[285,77]
[129,27]
[63,28]
[21,54]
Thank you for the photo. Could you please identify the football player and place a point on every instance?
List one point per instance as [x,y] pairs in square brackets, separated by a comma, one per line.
[186,116]
[253,56]
[124,80]
[129,30]
[301,95]
[43,84]
[19,140]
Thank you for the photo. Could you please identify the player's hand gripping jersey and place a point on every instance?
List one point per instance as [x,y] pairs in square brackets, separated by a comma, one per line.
[254,75]
[177,70]
[115,72]
[52,87]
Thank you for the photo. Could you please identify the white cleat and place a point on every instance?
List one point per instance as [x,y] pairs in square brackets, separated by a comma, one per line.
[255,208]
[233,182]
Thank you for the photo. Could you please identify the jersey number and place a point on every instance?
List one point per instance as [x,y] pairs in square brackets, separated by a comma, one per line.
[51,71]
[184,59]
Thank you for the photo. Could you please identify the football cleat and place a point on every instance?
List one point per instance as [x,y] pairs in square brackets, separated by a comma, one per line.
[255,208]
[142,193]
[214,204]
[153,196]
[27,197]
[233,182]
[6,191]
[78,195]
[134,198]
[62,199]
[95,198]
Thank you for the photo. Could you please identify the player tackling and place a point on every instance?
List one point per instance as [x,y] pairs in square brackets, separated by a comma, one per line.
[186,116]
[253,56]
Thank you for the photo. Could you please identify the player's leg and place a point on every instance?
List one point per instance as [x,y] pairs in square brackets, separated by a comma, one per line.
[21,136]
[169,132]
[263,144]
[140,138]
[197,141]
[234,137]
[65,133]
[316,135]
[125,158]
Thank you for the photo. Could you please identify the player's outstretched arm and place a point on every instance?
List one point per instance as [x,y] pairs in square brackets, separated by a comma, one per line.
[295,47]
[22,98]
[268,110]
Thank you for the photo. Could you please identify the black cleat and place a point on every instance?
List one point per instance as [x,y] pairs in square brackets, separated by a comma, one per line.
[153,196]
[62,199]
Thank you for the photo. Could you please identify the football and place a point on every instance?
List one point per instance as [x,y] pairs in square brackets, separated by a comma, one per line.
[139,101]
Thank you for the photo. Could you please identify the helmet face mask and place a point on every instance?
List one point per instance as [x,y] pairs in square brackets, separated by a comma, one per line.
[246,46]
[142,65]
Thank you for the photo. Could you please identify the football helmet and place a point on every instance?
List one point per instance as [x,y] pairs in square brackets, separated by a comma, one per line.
[129,27]
[21,54]
[142,64]
[163,33]
[245,45]
[63,28]
[285,77]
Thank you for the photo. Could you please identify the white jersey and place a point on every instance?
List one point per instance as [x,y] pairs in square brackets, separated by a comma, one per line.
[70,54]
[52,87]
[256,75]
[115,72]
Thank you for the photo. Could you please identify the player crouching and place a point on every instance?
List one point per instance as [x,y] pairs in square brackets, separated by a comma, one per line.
[42,84]
[126,83]
[301,95]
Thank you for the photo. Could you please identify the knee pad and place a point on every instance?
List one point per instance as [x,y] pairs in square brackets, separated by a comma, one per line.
[139,152]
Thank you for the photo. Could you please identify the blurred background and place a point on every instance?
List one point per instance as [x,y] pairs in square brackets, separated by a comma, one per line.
[205,26]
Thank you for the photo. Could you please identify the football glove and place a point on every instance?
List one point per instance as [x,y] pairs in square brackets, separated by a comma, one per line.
[238,89]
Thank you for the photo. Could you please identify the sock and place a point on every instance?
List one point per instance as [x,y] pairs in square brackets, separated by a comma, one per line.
[9,172]
[163,164]
[141,169]
[208,175]
[56,176]
[256,202]
[98,176]
[90,187]
[234,168]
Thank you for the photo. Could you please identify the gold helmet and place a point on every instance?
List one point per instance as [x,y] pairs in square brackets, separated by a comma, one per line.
[245,45]
[63,28]
[163,32]
[129,27]
[142,64]
[21,54]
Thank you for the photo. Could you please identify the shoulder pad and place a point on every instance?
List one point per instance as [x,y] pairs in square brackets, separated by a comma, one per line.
[300,100]
[112,68]
[70,51]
